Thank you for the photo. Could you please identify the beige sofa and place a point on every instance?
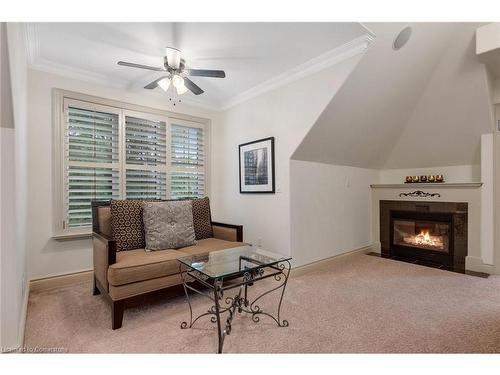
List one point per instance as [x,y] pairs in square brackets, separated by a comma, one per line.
[123,275]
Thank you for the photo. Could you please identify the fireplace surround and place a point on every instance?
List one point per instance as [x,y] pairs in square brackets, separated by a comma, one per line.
[433,233]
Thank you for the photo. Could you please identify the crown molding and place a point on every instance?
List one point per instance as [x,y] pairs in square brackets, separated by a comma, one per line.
[78,74]
[37,62]
[32,42]
[326,60]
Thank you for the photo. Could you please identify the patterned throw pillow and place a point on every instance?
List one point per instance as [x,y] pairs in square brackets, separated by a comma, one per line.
[202,219]
[168,225]
[127,227]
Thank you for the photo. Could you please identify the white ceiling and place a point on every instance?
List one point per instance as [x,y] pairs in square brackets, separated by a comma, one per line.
[421,106]
[255,56]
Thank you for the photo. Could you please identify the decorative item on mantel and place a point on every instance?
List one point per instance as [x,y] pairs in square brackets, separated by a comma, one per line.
[420,194]
[424,179]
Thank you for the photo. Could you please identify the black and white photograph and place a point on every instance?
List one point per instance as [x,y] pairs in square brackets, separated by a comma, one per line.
[257,166]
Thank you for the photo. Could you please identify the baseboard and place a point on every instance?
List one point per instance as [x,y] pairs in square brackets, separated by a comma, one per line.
[476,264]
[48,283]
[310,267]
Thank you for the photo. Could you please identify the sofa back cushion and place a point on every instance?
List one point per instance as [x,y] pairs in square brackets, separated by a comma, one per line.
[168,225]
[202,220]
[127,228]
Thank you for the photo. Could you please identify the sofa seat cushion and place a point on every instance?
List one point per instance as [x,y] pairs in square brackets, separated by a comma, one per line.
[139,265]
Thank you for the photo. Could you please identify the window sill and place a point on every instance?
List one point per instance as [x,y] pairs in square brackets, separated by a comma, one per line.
[71,236]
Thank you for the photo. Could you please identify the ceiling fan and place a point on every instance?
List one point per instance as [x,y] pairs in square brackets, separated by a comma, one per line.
[177,73]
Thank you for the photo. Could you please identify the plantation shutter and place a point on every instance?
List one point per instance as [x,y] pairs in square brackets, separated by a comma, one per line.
[146,158]
[108,151]
[92,161]
[187,161]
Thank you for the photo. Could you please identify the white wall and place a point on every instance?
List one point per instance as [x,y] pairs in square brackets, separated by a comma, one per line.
[13,189]
[330,209]
[48,257]
[9,311]
[454,173]
[286,113]
[487,202]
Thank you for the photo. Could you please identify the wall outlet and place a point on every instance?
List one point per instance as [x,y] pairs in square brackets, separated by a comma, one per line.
[259,242]
[347,182]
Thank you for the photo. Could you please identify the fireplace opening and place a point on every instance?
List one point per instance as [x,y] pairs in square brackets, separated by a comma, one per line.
[432,234]
[422,235]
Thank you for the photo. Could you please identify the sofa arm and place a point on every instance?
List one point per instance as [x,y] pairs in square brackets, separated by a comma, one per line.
[228,232]
[104,252]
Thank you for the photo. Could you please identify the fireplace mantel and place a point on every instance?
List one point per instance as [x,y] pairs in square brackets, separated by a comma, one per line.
[454,185]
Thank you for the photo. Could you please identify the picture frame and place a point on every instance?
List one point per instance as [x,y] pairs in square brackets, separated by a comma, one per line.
[256,166]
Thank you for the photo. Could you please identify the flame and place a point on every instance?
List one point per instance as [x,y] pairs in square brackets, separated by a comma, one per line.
[425,239]
[425,235]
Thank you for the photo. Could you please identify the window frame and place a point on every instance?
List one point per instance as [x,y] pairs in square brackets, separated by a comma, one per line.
[61,99]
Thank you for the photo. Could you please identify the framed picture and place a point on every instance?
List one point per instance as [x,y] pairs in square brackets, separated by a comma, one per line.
[257,166]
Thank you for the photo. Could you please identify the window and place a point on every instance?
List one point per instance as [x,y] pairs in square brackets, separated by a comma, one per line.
[188,162]
[115,152]
[92,169]
[145,158]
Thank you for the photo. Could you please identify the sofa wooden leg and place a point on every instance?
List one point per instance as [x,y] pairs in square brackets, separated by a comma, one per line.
[96,290]
[117,314]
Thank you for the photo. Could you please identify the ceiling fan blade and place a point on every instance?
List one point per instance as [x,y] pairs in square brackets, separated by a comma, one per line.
[132,65]
[206,73]
[154,84]
[195,89]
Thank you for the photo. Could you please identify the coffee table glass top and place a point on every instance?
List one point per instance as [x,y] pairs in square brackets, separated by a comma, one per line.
[230,262]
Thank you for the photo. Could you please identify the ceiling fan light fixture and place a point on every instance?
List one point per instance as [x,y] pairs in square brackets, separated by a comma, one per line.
[173,57]
[174,73]
[164,83]
[179,85]
[177,80]
[182,89]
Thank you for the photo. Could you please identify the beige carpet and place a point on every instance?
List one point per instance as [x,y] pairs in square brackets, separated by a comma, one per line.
[355,304]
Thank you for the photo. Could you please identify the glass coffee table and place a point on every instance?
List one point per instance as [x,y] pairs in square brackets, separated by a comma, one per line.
[237,268]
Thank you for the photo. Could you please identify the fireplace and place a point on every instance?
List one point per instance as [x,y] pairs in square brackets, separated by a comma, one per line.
[426,236]
[433,233]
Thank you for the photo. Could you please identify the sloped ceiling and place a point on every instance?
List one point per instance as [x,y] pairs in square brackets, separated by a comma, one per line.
[453,112]
[423,105]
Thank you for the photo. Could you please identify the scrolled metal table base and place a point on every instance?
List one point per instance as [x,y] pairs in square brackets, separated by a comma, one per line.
[240,302]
